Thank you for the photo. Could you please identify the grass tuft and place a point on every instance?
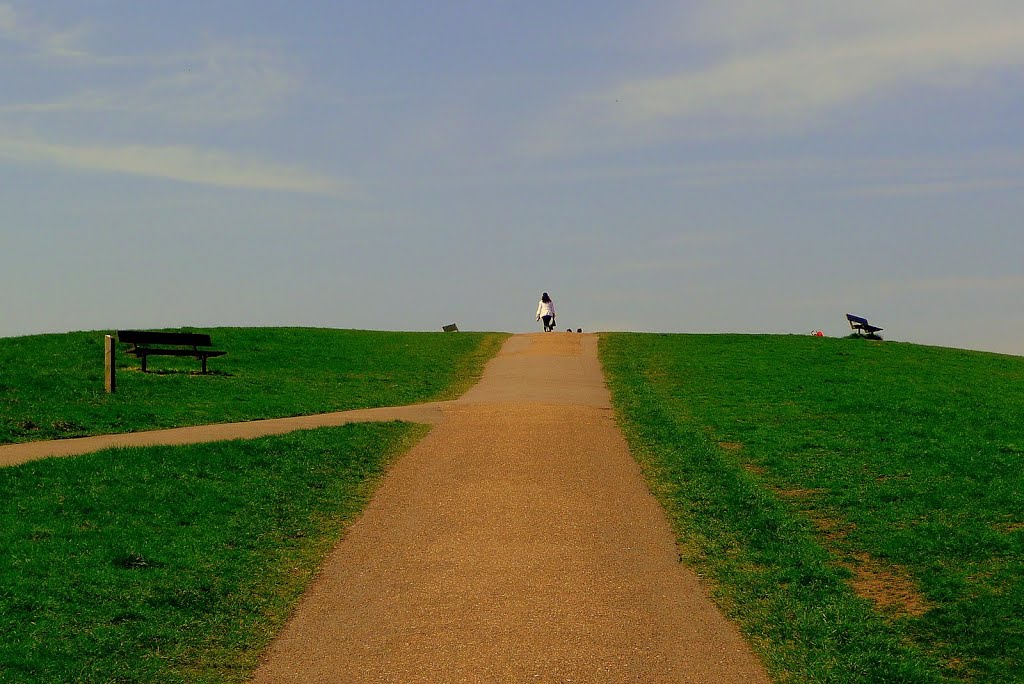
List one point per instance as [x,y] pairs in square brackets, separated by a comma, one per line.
[135,561]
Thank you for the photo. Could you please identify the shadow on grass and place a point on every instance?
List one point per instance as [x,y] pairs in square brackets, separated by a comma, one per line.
[177,371]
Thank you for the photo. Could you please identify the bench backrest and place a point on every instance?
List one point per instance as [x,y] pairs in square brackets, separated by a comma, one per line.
[856,319]
[147,337]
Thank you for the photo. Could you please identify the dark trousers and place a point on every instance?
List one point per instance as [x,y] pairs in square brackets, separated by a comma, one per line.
[549,323]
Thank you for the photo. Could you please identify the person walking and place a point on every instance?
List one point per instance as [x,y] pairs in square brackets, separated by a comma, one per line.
[546,312]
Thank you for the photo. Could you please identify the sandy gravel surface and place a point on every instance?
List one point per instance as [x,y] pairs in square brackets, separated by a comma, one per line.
[517,542]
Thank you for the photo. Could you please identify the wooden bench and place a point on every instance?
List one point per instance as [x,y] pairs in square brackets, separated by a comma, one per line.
[170,344]
[861,325]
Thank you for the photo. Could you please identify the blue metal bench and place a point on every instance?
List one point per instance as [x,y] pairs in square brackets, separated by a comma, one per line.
[861,325]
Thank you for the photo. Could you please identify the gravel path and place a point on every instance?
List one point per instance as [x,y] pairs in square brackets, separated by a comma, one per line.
[13,454]
[517,542]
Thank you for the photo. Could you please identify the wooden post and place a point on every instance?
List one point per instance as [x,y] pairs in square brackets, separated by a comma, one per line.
[110,363]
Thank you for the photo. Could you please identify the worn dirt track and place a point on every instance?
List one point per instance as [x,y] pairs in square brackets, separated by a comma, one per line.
[13,454]
[517,542]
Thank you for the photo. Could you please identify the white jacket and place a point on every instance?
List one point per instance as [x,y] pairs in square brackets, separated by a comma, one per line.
[545,309]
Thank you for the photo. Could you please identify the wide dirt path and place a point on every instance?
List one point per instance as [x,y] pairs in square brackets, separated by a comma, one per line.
[517,542]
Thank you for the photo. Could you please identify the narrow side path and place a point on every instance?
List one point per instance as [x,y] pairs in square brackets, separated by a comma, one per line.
[13,454]
[516,542]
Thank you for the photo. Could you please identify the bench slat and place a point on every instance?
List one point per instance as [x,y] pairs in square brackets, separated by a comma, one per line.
[147,337]
[151,351]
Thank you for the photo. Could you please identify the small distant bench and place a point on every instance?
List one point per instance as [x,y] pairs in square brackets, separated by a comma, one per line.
[170,344]
[861,324]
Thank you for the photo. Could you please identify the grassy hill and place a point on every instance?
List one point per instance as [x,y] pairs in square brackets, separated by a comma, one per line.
[858,507]
[52,385]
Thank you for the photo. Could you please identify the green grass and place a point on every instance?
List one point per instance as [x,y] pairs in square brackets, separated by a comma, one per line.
[52,385]
[796,469]
[173,564]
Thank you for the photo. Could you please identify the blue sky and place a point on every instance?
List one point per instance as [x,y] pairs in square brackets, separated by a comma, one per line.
[695,166]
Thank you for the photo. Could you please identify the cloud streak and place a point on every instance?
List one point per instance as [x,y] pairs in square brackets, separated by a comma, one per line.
[40,40]
[218,84]
[770,67]
[941,187]
[177,162]
[794,83]
[957,284]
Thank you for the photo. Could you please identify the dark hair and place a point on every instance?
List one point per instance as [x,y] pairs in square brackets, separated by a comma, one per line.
[544,297]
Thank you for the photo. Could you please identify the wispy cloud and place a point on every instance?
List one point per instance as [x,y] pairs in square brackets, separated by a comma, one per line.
[698,238]
[925,176]
[940,187]
[781,65]
[177,162]
[174,92]
[218,80]
[794,81]
[216,84]
[39,39]
[657,265]
[996,283]
[846,175]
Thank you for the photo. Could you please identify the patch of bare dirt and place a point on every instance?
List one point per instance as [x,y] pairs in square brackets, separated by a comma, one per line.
[832,529]
[889,587]
[798,493]
[755,469]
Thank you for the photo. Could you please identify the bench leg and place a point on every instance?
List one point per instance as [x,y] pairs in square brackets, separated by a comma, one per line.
[143,363]
[204,365]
